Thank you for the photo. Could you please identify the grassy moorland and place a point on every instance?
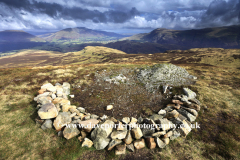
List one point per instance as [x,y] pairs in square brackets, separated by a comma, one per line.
[218,88]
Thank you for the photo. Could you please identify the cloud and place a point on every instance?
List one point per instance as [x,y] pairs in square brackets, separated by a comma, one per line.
[221,12]
[117,14]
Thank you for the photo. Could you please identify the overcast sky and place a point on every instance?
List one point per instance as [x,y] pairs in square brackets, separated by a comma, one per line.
[118,15]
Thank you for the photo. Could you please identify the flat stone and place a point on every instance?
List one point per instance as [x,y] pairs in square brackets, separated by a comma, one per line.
[46,86]
[47,124]
[159,142]
[87,143]
[88,125]
[62,119]
[130,147]
[150,143]
[128,139]
[192,111]
[48,111]
[139,144]
[158,134]
[70,132]
[113,143]
[120,149]
[137,133]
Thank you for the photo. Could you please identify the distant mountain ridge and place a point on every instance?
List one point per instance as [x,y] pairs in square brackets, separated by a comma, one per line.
[18,36]
[78,33]
[224,37]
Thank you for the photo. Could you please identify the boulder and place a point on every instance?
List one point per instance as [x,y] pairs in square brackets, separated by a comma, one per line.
[87,143]
[104,130]
[62,119]
[70,132]
[100,142]
[185,128]
[139,144]
[48,111]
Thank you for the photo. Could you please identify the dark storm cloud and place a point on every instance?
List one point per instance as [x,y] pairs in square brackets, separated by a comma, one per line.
[112,14]
[221,12]
[58,11]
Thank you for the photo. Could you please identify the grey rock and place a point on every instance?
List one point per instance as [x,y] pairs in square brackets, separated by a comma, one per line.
[165,88]
[159,142]
[93,116]
[130,147]
[82,110]
[113,143]
[47,124]
[101,143]
[70,132]
[66,88]
[165,124]
[188,115]
[104,130]
[62,119]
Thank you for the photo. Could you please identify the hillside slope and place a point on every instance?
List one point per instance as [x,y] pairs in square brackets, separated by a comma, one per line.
[224,37]
[78,33]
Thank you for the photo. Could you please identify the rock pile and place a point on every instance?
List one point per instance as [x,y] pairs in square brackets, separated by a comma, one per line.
[158,130]
[163,74]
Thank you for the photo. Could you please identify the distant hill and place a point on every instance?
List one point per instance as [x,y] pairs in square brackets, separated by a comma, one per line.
[17,39]
[224,37]
[79,33]
[18,36]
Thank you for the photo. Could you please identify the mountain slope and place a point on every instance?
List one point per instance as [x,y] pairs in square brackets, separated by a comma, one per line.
[78,33]
[18,36]
[224,37]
